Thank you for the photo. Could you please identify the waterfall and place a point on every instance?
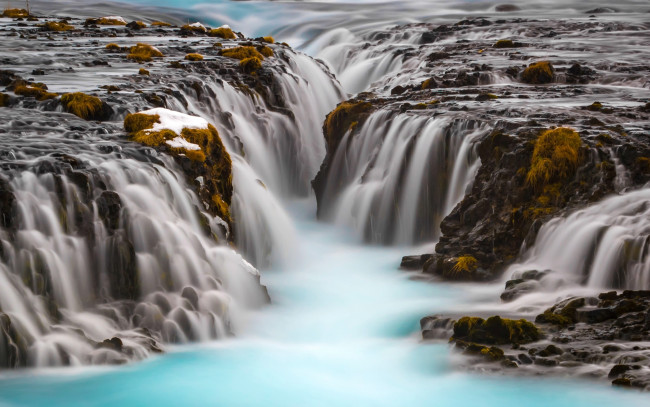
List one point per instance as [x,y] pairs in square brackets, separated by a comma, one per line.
[276,148]
[605,245]
[116,247]
[396,178]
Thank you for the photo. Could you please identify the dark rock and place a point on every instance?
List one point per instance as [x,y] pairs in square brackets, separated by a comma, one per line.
[618,370]
[109,207]
[504,8]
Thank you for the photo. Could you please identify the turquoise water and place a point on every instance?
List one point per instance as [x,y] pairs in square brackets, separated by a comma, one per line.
[342,331]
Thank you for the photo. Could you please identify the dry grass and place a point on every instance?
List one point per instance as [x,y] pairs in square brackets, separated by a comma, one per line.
[556,156]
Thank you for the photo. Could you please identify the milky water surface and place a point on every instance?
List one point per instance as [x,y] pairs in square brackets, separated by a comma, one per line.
[342,331]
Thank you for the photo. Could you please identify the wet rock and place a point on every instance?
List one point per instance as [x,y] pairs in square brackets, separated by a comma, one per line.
[495,330]
[504,8]
[109,207]
[114,343]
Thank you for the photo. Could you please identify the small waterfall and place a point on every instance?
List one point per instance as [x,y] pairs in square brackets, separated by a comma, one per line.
[400,174]
[603,246]
[116,247]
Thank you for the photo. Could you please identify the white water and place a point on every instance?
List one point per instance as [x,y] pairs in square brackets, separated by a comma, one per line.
[602,246]
[342,331]
[396,178]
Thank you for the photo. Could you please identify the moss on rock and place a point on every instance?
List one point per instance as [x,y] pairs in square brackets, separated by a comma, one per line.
[84,106]
[504,44]
[15,13]
[57,26]
[242,53]
[143,53]
[250,65]
[4,100]
[222,32]
[341,119]
[556,157]
[539,73]
[495,330]
[36,90]
[194,57]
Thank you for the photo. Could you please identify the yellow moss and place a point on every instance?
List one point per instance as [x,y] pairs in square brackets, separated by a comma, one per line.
[81,105]
[594,107]
[57,26]
[140,24]
[420,106]
[341,119]
[241,53]
[465,264]
[429,84]
[268,39]
[504,44]
[538,73]
[35,91]
[113,47]
[201,137]
[135,122]
[143,71]
[194,57]
[250,65]
[15,13]
[109,21]
[143,53]
[195,155]
[220,204]
[195,28]
[222,32]
[556,156]
[160,24]
[266,51]
[153,138]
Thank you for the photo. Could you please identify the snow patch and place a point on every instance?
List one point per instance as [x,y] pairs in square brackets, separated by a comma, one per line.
[198,25]
[175,121]
[180,142]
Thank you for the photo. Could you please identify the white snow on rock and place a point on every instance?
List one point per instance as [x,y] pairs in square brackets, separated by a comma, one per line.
[180,142]
[176,122]
[225,26]
[198,25]
[116,18]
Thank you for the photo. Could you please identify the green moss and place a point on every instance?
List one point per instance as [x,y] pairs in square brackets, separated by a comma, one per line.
[504,44]
[495,330]
[82,105]
[556,156]
[143,53]
[194,57]
[113,47]
[241,53]
[57,26]
[222,32]
[15,13]
[35,91]
[539,73]
[250,65]
[143,71]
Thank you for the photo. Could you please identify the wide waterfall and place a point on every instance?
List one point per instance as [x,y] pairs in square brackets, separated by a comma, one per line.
[396,178]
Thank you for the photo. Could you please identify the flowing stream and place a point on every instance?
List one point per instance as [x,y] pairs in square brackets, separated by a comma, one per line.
[342,328]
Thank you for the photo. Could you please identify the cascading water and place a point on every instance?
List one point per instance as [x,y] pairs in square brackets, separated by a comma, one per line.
[400,174]
[113,247]
[605,245]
